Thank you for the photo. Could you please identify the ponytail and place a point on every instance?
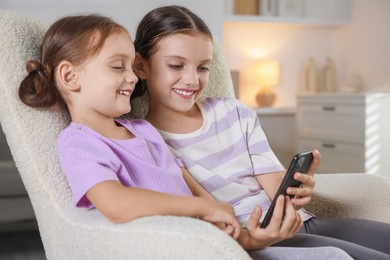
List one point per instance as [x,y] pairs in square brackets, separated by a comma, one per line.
[38,88]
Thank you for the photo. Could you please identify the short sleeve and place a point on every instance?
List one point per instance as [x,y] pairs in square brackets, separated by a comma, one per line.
[263,158]
[85,161]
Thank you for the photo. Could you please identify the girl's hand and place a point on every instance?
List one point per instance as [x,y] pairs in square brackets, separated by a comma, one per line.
[228,229]
[222,215]
[303,193]
[279,228]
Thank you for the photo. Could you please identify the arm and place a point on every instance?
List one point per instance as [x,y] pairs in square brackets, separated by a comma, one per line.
[199,191]
[303,194]
[270,182]
[194,186]
[257,238]
[122,204]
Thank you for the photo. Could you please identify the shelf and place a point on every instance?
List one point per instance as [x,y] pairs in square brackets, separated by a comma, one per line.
[286,21]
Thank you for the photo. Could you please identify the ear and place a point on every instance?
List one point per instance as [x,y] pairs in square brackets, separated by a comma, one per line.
[140,66]
[67,76]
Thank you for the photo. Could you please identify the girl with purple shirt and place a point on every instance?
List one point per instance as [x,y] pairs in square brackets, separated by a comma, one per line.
[123,168]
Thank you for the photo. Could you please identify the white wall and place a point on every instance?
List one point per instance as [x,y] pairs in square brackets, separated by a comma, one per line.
[125,12]
[363,46]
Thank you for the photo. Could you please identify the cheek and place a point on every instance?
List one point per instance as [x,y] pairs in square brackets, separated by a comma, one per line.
[204,79]
[166,78]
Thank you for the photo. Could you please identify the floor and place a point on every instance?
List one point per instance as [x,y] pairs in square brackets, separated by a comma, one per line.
[21,244]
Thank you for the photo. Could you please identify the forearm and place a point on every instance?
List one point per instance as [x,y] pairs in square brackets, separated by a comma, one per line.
[270,182]
[195,187]
[122,204]
[249,243]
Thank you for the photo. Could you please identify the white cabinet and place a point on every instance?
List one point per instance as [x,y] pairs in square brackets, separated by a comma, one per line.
[351,131]
[278,125]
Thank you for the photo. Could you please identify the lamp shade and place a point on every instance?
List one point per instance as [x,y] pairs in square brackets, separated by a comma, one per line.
[266,72]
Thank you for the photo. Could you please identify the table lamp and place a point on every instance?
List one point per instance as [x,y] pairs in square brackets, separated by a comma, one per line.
[266,74]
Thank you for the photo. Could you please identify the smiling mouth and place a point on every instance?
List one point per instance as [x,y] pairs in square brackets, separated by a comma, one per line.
[184,92]
[124,92]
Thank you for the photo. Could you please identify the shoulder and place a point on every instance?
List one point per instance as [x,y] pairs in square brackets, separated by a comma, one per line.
[77,138]
[72,133]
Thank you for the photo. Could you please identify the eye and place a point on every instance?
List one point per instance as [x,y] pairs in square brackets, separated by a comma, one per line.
[204,68]
[118,68]
[175,66]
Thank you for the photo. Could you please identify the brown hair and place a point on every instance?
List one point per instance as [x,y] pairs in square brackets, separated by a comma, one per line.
[73,39]
[160,23]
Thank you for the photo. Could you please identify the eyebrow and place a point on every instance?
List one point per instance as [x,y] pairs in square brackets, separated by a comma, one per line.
[120,55]
[182,58]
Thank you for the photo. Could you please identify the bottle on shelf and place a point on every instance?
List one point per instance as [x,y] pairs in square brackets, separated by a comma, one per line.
[309,81]
[328,77]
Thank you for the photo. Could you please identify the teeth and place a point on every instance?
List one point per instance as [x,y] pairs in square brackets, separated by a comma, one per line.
[123,92]
[184,93]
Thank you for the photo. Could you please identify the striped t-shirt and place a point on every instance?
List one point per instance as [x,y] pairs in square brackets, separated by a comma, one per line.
[226,153]
[88,158]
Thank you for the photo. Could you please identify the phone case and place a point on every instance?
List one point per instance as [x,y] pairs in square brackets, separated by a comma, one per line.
[300,163]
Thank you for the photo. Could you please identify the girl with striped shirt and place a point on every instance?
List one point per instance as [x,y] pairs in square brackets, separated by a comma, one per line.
[222,145]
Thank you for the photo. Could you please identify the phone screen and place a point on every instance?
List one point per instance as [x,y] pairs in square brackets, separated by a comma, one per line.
[300,163]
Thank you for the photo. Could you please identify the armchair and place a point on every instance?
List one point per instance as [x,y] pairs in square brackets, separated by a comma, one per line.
[69,232]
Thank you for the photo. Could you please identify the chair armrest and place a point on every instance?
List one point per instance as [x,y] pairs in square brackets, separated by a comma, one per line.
[168,237]
[355,195]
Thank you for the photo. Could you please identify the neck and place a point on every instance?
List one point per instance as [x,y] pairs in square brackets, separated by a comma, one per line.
[175,121]
[104,126]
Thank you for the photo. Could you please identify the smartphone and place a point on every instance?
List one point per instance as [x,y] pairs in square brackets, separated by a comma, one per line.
[300,163]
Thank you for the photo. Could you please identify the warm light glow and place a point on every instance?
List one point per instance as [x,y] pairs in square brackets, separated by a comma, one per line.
[256,52]
[266,72]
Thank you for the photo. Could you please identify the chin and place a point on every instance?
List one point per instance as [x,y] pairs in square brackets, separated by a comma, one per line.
[125,111]
[183,108]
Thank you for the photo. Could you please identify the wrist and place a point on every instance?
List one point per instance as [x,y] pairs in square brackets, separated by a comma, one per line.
[201,206]
[243,239]
[250,243]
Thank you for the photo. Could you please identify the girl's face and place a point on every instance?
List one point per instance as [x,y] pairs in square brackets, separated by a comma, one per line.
[107,79]
[177,73]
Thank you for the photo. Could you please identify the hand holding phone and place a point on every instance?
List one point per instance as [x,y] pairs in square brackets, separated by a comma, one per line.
[300,163]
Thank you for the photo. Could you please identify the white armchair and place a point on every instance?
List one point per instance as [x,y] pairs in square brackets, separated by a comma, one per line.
[69,232]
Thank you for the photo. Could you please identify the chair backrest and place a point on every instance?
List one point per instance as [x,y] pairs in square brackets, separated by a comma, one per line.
[32,133]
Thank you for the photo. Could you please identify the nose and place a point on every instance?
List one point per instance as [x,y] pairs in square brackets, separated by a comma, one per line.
[190,76]
[131,77]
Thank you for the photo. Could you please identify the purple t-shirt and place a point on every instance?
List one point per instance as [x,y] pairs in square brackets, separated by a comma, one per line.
[88,158]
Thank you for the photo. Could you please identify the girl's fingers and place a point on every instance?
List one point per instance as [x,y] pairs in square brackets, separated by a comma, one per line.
[277,216]
[236,226]
[228,229]
[253,221]
[290,215]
